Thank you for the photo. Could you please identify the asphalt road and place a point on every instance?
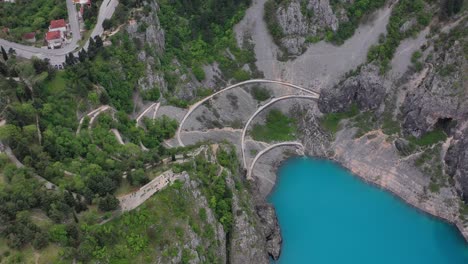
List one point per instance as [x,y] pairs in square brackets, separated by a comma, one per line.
[57,56]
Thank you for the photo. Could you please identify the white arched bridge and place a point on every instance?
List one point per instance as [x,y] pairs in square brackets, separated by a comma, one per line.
[307,94]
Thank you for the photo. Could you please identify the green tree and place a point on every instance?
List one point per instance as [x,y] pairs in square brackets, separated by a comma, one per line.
[108,203]
[4,54]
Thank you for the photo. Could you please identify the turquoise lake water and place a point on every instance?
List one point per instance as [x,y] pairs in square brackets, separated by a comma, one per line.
[329,216]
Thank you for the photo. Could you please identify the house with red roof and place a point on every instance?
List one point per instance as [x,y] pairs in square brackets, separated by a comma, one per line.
[54,39]
[59,25]
[30,37]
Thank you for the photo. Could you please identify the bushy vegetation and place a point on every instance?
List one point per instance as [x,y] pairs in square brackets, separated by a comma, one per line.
[213,183]
[270,18]
[278,127]
[30,16]
[403,12]
[260,93]
[355,11]
[416,60]
[200,32]
[450,7]
[429,138]
[41,130]
[331,121]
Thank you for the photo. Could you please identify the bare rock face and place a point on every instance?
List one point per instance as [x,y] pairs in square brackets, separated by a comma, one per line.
[247,244]
[315,140]
[269,222]
[456,160]
[148,29]
[442,96]
[366,90]
[299,19]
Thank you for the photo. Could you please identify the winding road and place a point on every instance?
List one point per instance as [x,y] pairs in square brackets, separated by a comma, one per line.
[57,56]
[154,106]
[199,103]
[259,110]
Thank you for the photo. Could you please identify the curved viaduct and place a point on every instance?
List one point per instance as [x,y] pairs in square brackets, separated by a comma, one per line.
[244,131]
[261,153]
[199,103]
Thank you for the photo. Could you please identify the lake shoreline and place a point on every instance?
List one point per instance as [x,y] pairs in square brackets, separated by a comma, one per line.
[459,226]
[287,217]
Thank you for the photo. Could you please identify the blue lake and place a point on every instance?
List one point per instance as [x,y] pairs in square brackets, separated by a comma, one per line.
[329,216]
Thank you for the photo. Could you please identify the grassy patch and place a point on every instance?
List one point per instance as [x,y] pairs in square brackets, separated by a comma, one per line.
[429,138]
[278,127]
[58,84]
[364,122]
[331,121]
[390,126]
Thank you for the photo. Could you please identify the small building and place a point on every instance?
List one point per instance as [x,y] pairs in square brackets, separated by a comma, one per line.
[58,25]
[54,39]
[82,2]
[30,37]
[8,1]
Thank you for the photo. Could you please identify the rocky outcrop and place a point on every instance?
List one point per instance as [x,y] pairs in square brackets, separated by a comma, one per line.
[148,29]
[313,137]
[442,95]
[271,228]
[247,240]
[300,19]
[366,90]
[456,161]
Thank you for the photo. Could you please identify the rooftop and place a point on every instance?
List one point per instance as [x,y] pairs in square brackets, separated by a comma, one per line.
[53,35]
[57,23]
[29,35]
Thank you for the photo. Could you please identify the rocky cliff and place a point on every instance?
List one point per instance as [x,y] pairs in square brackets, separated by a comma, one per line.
[426,162]
[366,90]
[301,20]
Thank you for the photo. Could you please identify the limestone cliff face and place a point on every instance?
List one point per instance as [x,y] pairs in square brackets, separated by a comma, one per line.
[365,89]
[420,102]
[442,96]
[147,30]
[441,102]
[255,234]
[300,19]
[456,160]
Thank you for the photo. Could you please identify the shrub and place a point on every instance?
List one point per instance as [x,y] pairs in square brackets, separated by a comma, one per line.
[198,72]
[331,121]
[278,127]
[108,203]
[260,93]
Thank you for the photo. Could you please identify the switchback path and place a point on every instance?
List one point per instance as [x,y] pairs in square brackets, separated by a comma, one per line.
[93,114]
[154,106]
[261,153]
[199,103]
[259,110]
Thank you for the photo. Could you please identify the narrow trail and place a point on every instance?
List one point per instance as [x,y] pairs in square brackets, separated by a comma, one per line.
[154,106]
[118,136]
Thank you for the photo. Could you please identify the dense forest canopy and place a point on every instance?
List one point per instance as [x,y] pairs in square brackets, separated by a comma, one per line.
[25,16]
